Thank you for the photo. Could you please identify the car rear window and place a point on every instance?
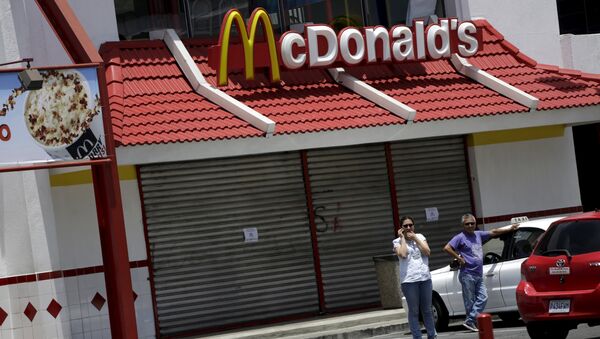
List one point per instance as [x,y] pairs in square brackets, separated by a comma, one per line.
[577,237]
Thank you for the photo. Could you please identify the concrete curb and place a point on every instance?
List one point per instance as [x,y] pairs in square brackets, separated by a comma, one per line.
[348,326]
[357,332]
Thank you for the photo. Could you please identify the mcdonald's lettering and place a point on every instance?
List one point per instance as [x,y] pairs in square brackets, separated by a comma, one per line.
[86,146]
[248,36]
[321,46]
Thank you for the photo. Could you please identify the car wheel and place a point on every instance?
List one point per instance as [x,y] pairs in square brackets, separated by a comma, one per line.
[510,317]
[440,315]
[542,330]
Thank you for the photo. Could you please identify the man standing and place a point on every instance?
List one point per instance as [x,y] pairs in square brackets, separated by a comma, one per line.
[467,248]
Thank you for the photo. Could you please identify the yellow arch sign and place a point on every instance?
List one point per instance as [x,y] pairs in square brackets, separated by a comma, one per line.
[248,38]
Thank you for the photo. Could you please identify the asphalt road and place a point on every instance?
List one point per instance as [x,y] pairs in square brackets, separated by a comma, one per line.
[502,330]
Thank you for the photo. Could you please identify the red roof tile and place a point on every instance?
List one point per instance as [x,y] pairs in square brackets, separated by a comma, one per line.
[555,87]
[152,102]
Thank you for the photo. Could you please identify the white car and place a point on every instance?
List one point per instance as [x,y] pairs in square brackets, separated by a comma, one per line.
[501,273]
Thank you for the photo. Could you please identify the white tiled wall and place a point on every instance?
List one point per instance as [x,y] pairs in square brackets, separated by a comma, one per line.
[78,318]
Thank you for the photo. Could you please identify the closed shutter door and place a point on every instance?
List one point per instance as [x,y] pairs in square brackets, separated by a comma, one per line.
[354,220]
[205,274]
[433,173]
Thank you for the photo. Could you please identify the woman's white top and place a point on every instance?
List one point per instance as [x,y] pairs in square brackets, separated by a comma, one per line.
[415,267]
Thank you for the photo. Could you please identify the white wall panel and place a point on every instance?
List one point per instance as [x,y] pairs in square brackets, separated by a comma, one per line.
[523,176]
[530,25]
[77,225]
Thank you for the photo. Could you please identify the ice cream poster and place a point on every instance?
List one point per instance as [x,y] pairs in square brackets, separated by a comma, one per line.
[62,121]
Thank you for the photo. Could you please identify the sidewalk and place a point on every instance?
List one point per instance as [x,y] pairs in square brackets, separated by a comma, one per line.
[348,326]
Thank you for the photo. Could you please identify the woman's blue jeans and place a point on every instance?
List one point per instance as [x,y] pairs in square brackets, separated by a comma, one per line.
[474,295]
[418,296]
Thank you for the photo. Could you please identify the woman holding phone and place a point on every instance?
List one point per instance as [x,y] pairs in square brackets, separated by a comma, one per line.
[415,280]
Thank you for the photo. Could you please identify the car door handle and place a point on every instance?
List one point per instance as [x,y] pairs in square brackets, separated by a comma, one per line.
[490,274]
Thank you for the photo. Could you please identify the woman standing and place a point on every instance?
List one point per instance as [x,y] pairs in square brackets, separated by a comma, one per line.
[413,254]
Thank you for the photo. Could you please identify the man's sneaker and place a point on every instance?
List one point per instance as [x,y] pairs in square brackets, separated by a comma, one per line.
[470,326]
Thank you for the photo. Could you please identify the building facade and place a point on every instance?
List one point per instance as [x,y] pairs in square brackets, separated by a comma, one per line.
[230,225]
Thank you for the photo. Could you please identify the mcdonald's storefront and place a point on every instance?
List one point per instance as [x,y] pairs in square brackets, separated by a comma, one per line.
[265,196]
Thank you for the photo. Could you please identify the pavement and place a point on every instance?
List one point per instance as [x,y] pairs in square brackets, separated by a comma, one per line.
[358,325]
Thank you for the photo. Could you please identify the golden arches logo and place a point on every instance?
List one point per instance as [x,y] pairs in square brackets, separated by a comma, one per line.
[248,37]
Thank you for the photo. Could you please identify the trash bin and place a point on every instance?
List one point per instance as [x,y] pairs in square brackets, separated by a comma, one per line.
[388,279]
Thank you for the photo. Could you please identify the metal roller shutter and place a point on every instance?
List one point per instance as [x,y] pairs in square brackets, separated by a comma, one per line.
[433,173]
[354,220]
[205,275]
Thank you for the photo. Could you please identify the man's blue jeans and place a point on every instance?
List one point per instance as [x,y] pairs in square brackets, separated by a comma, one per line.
[418,296]
[474,295]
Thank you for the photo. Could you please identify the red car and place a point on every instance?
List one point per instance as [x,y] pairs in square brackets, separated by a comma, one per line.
[560,281]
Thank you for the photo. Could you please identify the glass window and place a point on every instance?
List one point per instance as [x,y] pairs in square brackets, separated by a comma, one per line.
[577,237]
[578,16]
[272,7]
[394,12]
[336,13]
[524,242]
[202,18]
[136,18]
[493,249]
[206,15]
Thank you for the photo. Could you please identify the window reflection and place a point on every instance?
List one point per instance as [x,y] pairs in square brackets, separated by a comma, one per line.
[396,12]
[135,19]
[202,18]
[206,15]
[337,13]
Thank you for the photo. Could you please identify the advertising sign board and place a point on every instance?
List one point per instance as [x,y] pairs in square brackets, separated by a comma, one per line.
[322,47]
[62,121]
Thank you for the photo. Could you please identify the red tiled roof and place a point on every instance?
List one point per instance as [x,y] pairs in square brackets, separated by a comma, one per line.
[554,87]
[305,101]
[152,102]
[436,91]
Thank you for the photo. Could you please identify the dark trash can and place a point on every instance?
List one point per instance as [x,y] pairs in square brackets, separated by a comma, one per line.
[388,279]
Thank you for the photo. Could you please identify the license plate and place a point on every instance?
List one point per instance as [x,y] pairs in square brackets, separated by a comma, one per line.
[559,306]
[559,270]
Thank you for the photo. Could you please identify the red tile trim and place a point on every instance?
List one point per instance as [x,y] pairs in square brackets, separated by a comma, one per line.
[568,71]
[73,272]
[591,76]
[30,311]
[551,68]
[3,316]
[510,47]
[493,30]
[532,214]
[529,61]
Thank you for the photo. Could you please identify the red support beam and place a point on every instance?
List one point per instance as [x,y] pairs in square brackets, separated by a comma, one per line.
[69,31]
[313,232]
[392,182]
[107,191]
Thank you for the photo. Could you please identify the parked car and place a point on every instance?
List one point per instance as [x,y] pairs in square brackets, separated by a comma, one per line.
[560,286]
[501,273]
